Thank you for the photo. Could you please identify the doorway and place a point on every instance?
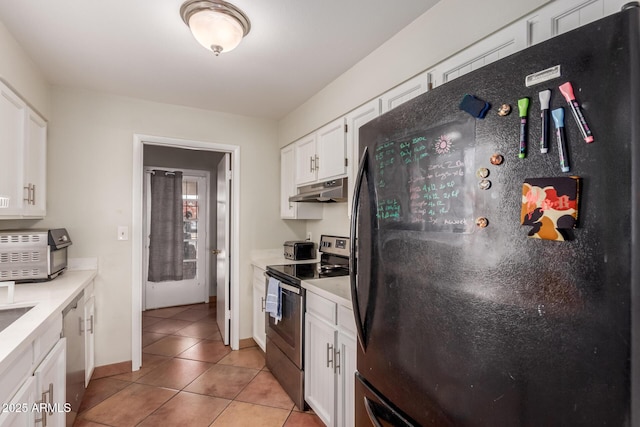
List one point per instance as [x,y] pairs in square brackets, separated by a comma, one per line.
[195,285]
[139,233]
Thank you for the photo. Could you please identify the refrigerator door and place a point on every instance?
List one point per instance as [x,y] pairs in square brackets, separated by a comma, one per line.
[486,326]
[375,410]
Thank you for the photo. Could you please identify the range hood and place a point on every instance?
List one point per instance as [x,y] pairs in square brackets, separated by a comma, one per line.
[322,192]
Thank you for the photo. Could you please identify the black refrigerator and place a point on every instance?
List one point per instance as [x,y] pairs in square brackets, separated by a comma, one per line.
[491,286]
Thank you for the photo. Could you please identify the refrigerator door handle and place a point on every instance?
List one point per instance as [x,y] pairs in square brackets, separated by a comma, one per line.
[353,263]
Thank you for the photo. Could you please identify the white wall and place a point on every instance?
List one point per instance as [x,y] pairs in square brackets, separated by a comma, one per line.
[90,191]
[21,74]
[445,29]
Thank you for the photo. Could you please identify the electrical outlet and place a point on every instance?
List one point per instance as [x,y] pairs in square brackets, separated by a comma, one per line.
[309,236]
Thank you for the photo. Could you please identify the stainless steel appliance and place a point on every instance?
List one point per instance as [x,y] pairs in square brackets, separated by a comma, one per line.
[285,338]
[33,255]
[299,250]
[464,320]
[335,190]
[73,329]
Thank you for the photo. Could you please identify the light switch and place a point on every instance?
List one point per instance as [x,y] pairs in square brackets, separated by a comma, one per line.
[123,232]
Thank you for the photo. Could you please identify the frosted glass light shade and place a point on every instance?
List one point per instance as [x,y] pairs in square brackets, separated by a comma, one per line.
[217,25]
[216,31]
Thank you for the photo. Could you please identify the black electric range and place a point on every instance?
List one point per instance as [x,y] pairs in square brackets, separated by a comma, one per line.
[334,262]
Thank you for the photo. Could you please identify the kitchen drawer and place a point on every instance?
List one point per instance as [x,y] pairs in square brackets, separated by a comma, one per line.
[346,322]
[321,307]
[45,341]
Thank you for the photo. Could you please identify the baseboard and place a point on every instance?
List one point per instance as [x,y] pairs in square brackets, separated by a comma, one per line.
[110,370]
[246,343]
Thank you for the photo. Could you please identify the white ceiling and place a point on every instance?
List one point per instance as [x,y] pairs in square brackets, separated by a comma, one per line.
[142,49]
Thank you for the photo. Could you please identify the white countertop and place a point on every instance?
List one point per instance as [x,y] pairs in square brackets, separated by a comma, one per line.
[336,289]
[48,300]
[264,257]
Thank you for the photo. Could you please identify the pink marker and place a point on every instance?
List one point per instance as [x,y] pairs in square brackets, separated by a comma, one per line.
[567,91]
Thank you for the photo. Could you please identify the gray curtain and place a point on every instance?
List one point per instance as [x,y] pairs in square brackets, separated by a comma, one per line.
[166,248]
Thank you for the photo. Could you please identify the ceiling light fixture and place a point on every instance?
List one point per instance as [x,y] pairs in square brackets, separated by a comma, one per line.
[217,25]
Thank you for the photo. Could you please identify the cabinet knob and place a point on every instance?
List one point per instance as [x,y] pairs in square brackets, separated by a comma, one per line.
[216,251]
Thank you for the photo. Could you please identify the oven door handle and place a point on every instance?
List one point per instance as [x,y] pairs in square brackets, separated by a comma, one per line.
[290,288]
[284,285]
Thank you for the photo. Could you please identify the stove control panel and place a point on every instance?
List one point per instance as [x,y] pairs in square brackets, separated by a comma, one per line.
[334,245]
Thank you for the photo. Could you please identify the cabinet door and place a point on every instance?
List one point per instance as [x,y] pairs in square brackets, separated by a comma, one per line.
[51,385]
[259,332]
[19,411]
[89,338]
[345,396]
[355,120]
[35,151]
[12,133]
[332,151]
[287,181]
[404,92]
[319,378]
[306,159]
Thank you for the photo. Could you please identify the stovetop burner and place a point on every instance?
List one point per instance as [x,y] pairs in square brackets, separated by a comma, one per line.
[334,262]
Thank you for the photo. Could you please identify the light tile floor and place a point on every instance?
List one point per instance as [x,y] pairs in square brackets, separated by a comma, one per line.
[190,378]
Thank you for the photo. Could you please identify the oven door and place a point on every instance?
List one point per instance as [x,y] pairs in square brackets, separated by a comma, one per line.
[57,261]
[287,333]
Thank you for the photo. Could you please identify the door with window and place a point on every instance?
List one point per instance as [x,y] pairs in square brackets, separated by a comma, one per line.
[194,286]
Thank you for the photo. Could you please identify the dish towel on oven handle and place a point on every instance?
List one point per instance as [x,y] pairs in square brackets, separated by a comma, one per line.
[272,304]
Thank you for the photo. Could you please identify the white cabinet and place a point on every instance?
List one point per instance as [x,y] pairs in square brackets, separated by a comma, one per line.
[404,92]
[89,332]
[259,295]
[322,155]
[50,378]
[35,177]
[19,411]
[12,127]
[305,152]
[288,188]
[354,121]
[23,136]
[330,361]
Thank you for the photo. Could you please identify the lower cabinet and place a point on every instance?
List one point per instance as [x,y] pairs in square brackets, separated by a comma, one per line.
[259,331]
[34,385]
[330,361]
[89,334]
[50,378]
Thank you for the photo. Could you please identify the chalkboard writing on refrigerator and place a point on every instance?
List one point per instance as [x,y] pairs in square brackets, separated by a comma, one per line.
[421,179]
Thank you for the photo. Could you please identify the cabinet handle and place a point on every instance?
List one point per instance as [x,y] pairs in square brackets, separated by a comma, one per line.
[317,162]
[329,354]
[33,194]
[90,330]
[311,159]
[80,325]
[29,189]
[42,420]
[336,364]
[264,304]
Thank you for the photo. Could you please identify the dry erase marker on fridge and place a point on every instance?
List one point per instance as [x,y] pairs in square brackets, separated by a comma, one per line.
[567,91]
[558,119]
[544,97]
[523,108]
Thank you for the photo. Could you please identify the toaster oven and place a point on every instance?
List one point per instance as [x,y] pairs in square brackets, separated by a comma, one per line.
[33,255]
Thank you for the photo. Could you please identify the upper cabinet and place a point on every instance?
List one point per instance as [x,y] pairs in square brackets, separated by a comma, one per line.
[288,188]
[404,92]
[322,156]
[355,120]
[23,153]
